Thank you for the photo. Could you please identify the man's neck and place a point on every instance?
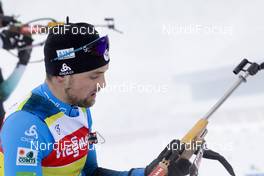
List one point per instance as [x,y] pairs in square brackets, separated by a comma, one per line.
[58,93]
[56,97]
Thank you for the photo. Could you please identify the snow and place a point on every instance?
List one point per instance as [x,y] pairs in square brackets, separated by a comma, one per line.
[163,39]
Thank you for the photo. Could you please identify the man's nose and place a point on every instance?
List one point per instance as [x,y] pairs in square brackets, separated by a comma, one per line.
[101,84]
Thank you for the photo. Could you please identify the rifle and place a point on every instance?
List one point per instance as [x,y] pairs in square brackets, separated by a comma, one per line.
[30,28]
[194,139]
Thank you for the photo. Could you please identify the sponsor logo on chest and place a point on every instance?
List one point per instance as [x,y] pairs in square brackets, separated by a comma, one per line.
[73,147]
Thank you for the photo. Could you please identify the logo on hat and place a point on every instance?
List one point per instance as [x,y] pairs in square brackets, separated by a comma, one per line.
[65,70]
[65,53]
[106,55]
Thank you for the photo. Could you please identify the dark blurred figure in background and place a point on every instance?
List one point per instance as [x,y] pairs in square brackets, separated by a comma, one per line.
[12,40]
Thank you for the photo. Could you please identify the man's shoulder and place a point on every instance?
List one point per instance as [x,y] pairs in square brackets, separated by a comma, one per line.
[17,105]
[23,125]
[21,120]
[35,104]
[32,110]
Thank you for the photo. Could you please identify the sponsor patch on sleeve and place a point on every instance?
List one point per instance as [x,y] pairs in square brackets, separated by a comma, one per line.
[26,157]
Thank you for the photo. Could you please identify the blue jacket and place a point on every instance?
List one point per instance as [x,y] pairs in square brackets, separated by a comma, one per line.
[41,119]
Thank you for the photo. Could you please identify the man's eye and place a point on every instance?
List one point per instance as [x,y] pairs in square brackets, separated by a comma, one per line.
[94,77]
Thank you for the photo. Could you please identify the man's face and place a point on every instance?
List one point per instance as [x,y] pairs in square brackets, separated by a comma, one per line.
[80,89]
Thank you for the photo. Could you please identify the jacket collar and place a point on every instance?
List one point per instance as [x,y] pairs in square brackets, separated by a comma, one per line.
[69,110]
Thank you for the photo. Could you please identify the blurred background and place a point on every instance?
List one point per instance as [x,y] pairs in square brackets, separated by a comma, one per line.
[171,64]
